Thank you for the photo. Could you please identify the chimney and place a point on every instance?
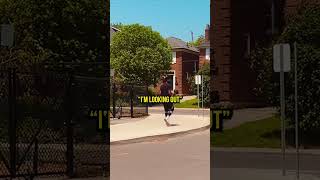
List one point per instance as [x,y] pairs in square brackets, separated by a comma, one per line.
[207,33]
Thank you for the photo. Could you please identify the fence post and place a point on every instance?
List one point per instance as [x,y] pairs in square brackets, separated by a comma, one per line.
[131,101]
[69,128]
[36,156]
[12,121]
[147,104]
[114,98]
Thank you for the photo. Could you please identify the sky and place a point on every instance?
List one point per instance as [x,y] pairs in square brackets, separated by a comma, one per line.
[176,18]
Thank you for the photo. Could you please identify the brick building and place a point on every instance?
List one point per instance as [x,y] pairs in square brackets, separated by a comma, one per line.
[204,48]
[185,62]
[236,28]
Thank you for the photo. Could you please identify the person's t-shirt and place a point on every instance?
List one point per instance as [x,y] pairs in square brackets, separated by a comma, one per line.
[165,90]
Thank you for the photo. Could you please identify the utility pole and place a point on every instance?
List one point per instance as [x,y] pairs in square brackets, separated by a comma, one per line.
[192,36]
[296,111]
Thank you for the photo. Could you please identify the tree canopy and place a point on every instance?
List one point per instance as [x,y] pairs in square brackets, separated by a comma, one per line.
[139,54]
[198,41]
[55,31]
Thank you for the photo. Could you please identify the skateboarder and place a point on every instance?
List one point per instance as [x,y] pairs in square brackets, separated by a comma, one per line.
[166,90]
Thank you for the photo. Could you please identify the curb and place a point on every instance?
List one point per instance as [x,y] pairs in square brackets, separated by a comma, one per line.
[264,150]
[153,138]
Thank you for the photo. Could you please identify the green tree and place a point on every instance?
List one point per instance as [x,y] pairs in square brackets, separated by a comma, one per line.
[197,42]
[205,72]
[55,31]
[139,54]
[303,28]
[117,25]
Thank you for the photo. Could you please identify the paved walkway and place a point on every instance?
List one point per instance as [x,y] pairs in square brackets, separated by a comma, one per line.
[154,126]
[241,116]
[186,98]
[184,120]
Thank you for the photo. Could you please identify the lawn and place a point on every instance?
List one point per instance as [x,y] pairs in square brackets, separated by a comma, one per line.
[259,134]
[192,103]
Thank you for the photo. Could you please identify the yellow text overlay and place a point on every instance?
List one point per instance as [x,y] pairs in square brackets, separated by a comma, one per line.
[159,99]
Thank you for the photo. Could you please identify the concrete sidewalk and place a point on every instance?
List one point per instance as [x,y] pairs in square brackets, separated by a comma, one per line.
[154,127]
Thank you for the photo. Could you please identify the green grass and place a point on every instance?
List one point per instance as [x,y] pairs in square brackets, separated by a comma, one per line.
[192,103]
[258,134]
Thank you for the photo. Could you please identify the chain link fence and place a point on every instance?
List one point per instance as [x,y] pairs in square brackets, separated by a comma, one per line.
[124,100]
[45,127]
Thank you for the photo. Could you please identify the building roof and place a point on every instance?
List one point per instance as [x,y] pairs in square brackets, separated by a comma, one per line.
[112,31]
[177,43]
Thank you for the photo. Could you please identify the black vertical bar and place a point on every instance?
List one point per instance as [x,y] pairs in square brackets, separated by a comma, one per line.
[273,17]
[69,127]
[36,157]
[12,122]
[131,101]
[147,104]
[114,99]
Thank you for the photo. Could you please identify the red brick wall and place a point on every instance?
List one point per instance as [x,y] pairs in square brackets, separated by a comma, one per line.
[188,66]
[231,21]
[220,39]
[202,57]
[181,67]
[247,18]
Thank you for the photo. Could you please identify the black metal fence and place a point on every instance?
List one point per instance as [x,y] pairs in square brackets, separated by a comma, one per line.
[124,100]
[45,127]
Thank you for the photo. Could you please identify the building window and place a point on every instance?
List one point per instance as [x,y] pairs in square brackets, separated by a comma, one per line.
[207,53]
[172,79]
[174,57]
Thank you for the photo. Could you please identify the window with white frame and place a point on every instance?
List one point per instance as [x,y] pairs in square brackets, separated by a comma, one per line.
[207,53]
[174,57]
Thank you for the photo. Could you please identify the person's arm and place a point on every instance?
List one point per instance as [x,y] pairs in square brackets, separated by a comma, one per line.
[171,93]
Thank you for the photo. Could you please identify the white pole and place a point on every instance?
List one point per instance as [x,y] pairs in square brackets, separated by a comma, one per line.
[296,108]
[202,95]
[198,98]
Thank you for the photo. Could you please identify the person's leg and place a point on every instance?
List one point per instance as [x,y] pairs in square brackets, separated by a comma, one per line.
[165,110]
[165,105]
[171,108]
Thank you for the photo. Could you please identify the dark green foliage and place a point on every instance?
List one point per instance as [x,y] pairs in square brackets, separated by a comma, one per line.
[304,28]
[54,31]
[198,41]
[205,71]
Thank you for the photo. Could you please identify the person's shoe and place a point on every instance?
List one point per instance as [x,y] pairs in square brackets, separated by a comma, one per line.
[168,117]
[166,121]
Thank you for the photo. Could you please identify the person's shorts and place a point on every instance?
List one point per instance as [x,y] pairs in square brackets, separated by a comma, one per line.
[168,107]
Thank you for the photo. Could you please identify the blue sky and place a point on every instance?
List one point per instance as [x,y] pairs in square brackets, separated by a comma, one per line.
[175,18]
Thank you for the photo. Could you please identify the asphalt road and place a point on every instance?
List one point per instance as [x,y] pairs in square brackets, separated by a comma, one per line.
[183,158]
[222,163]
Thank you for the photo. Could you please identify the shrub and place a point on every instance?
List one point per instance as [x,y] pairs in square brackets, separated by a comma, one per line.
[205,72]
[304,29]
